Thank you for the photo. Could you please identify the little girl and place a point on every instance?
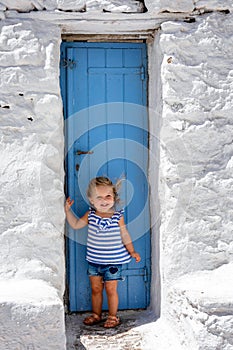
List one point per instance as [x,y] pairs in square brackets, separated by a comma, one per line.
[108,247]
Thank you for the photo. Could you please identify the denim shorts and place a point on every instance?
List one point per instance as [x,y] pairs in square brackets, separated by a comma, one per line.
[107,272]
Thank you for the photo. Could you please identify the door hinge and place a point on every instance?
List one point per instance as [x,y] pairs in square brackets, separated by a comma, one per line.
[145,276]
[142,73]
[68,63]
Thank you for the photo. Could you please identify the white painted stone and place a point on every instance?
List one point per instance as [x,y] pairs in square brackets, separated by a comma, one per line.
[158,6]
[71,5]
[2,7]
[214,5]
[201,305]
[29,308]
[153,6]
[116,6]
[196,178]
[28,5]
[32,219]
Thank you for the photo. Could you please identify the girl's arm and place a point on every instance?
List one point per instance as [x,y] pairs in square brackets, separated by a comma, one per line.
[127,240]
[71,218]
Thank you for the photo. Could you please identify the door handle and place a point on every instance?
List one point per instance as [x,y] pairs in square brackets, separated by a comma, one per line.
[78,153]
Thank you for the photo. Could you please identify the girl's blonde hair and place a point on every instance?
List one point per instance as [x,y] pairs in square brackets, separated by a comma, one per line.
[103,181]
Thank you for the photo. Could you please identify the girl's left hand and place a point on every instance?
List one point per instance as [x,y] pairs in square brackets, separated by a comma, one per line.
[136,256]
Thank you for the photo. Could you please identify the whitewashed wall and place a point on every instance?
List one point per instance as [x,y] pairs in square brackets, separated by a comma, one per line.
[192,65]
[197,132]
[32,217]
[153,6]
[196,187]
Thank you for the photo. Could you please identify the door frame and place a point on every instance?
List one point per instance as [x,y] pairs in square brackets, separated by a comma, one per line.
[154,104]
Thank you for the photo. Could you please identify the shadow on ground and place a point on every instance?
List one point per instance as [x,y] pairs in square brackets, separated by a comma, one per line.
[124,337]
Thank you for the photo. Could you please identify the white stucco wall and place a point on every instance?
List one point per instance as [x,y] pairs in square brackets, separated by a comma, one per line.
[190,92]
[32,216]
[197,133]
[196,179]
[153,6]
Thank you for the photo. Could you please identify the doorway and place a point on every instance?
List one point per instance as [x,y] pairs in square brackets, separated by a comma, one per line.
[104,91]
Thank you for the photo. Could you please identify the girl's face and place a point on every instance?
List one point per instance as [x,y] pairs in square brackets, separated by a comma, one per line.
[102,198]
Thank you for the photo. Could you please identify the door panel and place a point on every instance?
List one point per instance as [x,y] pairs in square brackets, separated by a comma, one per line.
[104,94]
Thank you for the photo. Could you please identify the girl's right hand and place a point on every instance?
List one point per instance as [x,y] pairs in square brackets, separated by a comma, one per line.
[68,204]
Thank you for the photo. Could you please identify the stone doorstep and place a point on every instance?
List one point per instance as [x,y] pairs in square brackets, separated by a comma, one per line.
[209,291]
[80,336]
[201,308]
[32,316]
[139,330]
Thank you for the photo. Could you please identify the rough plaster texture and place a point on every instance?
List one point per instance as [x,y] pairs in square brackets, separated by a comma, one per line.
[152,6]
[201,305]
[32,216]
[196,159]
[74,5]
[193,190]
[169,6]
[214,5]
[197,132]
[31,316]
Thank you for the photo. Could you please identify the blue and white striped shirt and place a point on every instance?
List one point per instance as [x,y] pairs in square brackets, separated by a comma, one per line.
[104,243]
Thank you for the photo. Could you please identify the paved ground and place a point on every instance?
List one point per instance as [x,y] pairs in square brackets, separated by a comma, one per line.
[138,331]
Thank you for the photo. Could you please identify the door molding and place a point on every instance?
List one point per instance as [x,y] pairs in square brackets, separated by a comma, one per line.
[134,38]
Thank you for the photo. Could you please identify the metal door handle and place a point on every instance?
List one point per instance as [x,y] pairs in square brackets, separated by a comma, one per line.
[83,152]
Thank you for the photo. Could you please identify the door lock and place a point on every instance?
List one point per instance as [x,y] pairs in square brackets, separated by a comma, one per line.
[78,153]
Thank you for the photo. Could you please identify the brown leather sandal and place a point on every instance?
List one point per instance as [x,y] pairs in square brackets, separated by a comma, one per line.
[93,319]
[112,322]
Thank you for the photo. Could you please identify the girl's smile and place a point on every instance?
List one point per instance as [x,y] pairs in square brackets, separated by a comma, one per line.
[102,199]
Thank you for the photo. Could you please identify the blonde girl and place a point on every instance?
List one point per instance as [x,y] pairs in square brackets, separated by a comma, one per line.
[109,246]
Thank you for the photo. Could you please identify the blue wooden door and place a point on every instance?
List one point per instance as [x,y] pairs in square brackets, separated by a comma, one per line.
[104,89]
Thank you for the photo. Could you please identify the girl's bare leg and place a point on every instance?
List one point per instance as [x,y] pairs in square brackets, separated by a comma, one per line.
[112,295]
[97,294]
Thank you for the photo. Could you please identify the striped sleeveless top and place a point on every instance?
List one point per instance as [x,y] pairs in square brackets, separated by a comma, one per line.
[104,243]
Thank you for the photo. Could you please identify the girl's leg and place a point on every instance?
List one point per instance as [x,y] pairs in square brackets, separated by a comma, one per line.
[112,295]
[97,294]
